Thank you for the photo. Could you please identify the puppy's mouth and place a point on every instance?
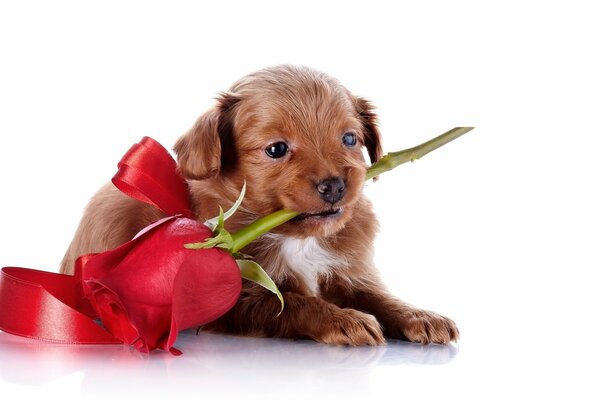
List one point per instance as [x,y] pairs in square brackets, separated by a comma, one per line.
[322,215]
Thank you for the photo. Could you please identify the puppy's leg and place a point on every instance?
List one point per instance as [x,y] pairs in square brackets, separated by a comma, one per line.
[302,317]
[398,319]
[403,321]
[109,220]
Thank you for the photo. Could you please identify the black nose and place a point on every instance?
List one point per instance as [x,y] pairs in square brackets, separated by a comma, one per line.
[332,189]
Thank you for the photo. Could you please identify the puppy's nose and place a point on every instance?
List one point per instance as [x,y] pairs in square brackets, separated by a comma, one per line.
[332,189]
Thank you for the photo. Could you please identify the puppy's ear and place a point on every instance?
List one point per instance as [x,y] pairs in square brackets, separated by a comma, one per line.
[207,148]
[367,115]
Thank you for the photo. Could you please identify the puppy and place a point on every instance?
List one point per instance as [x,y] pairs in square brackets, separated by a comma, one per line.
[296,136]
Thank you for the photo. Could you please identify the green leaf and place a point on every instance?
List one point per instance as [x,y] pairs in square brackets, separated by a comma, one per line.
[242,256]
[252,271]
[221,220]
[215,221]
[222,237]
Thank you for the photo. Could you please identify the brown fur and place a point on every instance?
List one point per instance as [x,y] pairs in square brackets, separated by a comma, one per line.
[310,111]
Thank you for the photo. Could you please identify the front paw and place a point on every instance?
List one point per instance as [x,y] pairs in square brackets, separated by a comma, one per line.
[425,327]
[351,327]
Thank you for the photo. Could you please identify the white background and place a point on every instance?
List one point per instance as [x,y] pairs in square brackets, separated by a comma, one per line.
[498,230]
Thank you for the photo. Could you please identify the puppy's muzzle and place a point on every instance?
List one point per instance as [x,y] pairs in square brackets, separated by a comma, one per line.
[332,190]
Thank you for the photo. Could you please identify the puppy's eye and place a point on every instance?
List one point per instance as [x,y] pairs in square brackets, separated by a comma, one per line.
[277,150]
[349,139]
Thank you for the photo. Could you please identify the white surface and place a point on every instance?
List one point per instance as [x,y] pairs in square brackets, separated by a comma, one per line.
[498,230]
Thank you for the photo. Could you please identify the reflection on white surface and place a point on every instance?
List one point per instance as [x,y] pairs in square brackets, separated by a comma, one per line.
[211,363]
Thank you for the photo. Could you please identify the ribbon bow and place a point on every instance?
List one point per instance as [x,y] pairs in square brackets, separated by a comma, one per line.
[143,292]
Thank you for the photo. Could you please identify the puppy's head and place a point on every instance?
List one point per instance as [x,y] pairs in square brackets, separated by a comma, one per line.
[296,135]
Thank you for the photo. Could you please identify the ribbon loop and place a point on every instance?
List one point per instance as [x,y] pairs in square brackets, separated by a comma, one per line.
[148,173]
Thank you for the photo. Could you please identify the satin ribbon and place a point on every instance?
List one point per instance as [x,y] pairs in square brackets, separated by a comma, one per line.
[52,307]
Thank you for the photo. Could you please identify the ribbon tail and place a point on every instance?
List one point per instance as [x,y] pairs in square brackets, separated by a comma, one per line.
[42,305]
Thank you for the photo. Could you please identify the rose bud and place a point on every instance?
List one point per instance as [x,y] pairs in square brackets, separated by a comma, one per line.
[152,287]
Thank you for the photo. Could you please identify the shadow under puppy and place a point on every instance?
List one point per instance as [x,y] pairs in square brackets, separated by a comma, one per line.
[296,136]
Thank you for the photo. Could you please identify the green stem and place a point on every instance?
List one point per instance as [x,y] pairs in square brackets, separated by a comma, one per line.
[247,234]
[392,160]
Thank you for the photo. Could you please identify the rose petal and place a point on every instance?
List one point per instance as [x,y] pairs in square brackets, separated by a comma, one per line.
[207,285]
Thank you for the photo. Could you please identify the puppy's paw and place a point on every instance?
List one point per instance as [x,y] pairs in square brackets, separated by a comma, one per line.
[352,327]
[425,327]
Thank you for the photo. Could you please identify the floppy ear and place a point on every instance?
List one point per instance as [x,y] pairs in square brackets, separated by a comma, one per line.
[368,118]
[208,147]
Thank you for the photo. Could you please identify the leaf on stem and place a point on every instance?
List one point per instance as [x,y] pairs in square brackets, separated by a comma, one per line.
[252,271]
[213,222]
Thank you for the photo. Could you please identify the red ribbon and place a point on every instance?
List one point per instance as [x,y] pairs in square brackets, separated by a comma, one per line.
[55,307]
[148,173]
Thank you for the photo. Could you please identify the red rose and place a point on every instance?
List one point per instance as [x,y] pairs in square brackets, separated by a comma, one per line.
[152,287]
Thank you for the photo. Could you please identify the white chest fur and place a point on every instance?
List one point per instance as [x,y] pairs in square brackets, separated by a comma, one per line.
[309,260]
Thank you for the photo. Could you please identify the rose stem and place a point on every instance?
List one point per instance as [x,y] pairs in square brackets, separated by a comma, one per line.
[247,234]
[392,160]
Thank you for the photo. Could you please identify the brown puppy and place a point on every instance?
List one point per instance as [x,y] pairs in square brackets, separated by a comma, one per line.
[296,136]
